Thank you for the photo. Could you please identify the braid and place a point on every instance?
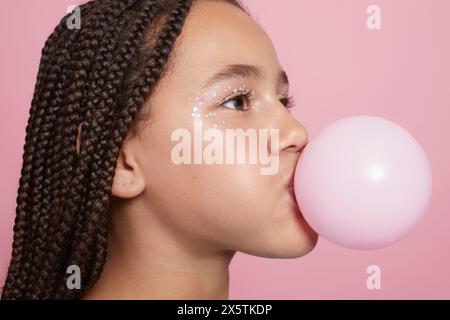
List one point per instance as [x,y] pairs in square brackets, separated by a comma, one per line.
[36,124]
[94,137]
[96,79]
[63,152]
[70,92]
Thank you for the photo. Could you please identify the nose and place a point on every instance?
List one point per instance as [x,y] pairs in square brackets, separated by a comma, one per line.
[292,134]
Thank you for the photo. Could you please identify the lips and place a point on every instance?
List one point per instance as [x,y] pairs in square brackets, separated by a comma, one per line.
[289,182]
[290,178]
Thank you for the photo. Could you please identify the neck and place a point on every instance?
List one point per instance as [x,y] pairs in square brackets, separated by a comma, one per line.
[146,261]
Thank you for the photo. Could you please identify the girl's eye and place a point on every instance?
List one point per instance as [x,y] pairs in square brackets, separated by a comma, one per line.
[239,103]
[288,102]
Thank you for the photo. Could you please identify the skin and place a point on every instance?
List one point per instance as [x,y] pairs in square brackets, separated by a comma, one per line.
[175,228]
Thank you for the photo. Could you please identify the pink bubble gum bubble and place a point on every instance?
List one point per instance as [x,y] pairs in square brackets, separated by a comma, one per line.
[363,182]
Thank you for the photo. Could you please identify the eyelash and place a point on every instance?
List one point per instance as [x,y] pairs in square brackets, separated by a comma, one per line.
[288,102]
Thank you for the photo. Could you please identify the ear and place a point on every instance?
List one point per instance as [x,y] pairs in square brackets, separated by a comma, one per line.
[129,180]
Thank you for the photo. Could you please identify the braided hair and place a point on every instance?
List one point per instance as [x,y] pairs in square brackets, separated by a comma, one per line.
[91,85]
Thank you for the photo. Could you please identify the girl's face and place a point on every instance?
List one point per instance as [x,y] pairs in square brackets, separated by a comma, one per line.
[225,75]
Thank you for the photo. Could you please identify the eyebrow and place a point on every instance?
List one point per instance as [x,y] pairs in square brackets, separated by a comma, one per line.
[241,70]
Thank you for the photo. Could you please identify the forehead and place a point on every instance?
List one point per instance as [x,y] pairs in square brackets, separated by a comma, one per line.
[216,34]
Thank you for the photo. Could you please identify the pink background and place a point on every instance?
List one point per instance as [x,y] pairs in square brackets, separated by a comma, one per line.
[338,68]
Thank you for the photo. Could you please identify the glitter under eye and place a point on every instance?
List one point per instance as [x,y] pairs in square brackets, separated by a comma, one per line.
[212,118]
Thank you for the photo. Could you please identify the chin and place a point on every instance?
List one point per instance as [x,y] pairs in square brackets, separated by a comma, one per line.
[293,238]
[306,247]
[285,247]
[295,251]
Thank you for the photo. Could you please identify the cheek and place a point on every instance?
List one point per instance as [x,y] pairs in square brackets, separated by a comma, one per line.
[213,202]
[223,197]
[229,206]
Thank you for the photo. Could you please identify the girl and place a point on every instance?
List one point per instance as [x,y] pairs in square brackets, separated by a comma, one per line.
[100,194]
